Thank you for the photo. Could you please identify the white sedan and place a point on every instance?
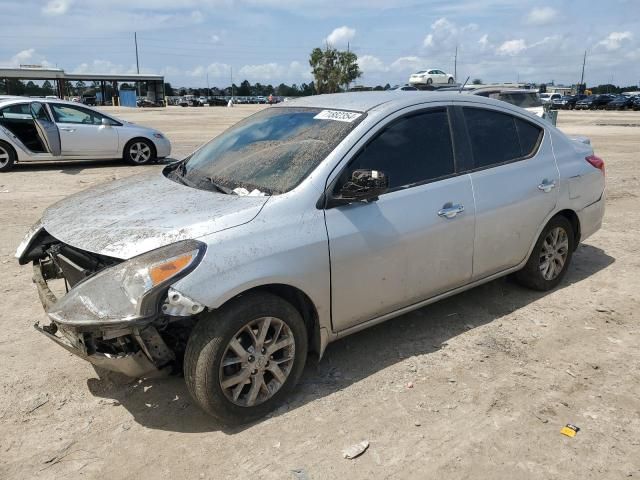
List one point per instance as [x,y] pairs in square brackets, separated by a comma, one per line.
[431,77]
[37,130]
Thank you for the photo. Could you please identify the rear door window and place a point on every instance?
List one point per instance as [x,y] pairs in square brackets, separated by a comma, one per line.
[18,111]
[412,150]
[498,138]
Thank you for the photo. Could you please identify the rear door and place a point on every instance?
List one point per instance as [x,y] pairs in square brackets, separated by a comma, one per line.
[416,240]
[515,178]
[47,129]
[82,132]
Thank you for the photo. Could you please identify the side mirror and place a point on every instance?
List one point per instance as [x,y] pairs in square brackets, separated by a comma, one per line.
[106,123]
[364,186]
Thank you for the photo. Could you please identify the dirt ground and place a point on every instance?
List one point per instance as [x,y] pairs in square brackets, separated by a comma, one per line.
[477,386]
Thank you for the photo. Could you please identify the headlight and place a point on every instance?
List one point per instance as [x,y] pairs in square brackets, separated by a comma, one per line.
[129,290]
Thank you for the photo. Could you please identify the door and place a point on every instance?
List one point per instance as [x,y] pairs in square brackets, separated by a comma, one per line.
[442,77]
[416,240]
[514,185]
[47,130]
[82,132]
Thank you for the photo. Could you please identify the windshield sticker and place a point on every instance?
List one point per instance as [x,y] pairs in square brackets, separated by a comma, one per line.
[339,115]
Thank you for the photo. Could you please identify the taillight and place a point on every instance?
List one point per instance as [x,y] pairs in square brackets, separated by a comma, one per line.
[596,162]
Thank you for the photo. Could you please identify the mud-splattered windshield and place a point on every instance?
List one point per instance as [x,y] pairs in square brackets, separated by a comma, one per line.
[268,153]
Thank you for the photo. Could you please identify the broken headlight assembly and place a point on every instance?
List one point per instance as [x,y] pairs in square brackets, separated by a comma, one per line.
[128,291]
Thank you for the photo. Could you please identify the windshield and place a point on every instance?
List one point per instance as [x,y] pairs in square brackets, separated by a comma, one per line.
[519,99]
[268,153]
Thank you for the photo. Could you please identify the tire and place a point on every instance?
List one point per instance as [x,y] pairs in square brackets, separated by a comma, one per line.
[532,275]
[7,157]
[429,81]
[210,344]
[450,81]
[139,151]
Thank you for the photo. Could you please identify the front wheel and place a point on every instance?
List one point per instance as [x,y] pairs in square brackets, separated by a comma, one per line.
[429,81]
[245,358]
[550,257]
[450,81]
[139,152]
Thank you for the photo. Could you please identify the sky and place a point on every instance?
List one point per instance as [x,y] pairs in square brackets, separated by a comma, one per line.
[269,41]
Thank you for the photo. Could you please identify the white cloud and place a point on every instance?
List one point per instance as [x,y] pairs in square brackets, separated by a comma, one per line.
[404,64]
[512,47]
[28,56]
[103,66]
[341,35]
[542,16]
[215,38]
[371,64]
[446,34]
[57,7]
[215,71]
[197,16]
[484,42]
[614,40]
[275,72]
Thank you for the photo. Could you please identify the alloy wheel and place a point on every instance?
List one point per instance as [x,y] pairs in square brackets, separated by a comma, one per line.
[140,152]
[553,255]
[4,157]
[257,361]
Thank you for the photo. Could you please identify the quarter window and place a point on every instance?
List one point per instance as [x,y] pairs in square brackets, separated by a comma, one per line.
[498,138]
[412,150]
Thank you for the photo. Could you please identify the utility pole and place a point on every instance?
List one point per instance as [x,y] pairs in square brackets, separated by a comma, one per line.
[135,40]
[584,61]
[455,64]
[208,89]
[232,94]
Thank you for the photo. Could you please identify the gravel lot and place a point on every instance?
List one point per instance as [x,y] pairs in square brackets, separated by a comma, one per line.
[476,386]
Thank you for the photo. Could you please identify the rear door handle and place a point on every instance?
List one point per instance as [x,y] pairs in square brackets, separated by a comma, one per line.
[546,186]
[450,211]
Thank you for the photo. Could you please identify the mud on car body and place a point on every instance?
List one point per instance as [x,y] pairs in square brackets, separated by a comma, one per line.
[298,226]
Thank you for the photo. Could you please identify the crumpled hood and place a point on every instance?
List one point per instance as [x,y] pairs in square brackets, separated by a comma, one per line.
[131,216]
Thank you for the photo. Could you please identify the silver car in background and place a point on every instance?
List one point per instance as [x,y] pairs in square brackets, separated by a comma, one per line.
[44,130]
[304,223]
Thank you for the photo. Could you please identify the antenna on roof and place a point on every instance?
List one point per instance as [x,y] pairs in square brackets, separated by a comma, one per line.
[464,85]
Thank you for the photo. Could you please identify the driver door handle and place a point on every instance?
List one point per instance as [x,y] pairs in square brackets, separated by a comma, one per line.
[546,186]
[450,211]
[67,129]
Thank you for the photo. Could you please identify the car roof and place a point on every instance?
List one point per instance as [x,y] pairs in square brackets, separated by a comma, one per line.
[369,101]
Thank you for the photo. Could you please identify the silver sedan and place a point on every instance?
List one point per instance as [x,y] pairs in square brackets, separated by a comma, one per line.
[40,130]
[304,223]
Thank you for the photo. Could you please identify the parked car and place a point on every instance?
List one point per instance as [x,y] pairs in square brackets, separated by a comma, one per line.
[636,103]
[593,102]
[52,130]
[431,77]
[404,88]
[523,98]
[89,100]
[217,102]
[567,102]
[549,97]
[299,226]
[620,102]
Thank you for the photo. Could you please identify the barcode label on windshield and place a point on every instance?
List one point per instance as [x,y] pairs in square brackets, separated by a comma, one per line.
[339,115]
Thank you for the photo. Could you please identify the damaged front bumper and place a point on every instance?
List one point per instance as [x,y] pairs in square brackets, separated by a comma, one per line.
[135,351]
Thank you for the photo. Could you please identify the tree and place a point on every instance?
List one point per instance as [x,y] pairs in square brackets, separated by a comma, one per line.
[168,90]
[333,69]
[245,89]
[47,88]
[387,87]
[80,86]
[477,81]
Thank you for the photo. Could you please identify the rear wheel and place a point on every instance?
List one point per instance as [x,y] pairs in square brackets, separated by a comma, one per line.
[139,152]
[550,257]
[7,157]
[245,358]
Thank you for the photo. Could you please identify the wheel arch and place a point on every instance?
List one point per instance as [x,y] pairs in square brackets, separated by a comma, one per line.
[575,223]
[302,303]
[136,139]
